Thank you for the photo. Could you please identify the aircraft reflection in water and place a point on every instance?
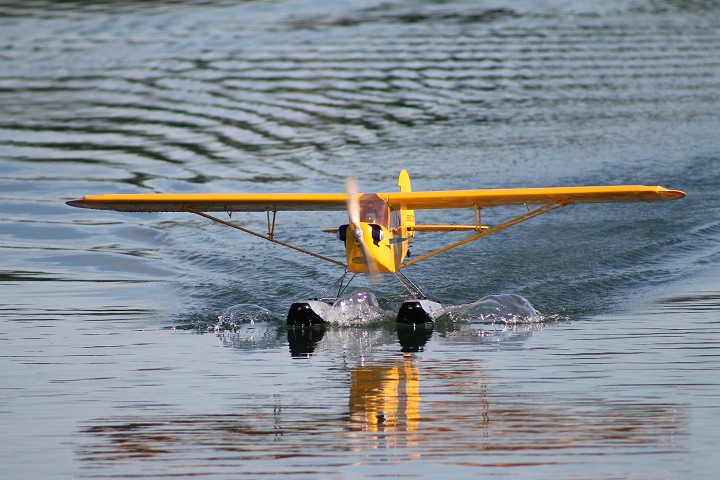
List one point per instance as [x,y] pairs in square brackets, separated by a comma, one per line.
[386,399]
[399,407]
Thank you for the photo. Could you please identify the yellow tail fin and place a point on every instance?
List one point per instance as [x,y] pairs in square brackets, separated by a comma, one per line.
[404,181]
[407,217]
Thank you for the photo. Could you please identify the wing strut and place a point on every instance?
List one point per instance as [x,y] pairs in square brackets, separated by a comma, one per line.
[409,285]
[269,238]
[271,226]
[515,221]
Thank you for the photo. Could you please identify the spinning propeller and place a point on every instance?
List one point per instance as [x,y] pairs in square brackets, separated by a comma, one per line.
[353,207]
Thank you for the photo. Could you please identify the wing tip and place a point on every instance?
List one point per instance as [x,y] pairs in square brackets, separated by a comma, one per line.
[668,194]
[80,203]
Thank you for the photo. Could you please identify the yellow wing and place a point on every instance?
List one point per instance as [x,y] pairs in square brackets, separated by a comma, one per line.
[262,202]
[530,196]
[213,202]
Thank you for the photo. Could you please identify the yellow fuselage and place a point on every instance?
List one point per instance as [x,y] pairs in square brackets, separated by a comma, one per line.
[384,254]
[385,235]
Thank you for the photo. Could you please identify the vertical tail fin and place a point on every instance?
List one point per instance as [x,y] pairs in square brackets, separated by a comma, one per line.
[404,181]
[400,220]
[407,217]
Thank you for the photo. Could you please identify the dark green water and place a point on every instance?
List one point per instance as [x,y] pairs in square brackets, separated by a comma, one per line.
[110,362]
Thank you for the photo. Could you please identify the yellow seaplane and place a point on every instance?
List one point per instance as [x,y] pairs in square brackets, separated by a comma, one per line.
[381,226]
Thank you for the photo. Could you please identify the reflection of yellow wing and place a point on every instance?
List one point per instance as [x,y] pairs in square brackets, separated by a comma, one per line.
[262,202]
[530,196]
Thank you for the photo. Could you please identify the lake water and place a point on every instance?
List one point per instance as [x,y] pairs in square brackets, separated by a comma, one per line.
[113,361]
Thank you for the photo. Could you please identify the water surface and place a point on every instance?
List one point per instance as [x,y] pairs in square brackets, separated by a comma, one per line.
[114,362]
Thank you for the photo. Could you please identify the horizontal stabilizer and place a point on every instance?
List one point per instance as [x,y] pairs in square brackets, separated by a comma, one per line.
[447,228]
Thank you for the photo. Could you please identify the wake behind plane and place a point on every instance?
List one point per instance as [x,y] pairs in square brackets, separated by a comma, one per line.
[381,227]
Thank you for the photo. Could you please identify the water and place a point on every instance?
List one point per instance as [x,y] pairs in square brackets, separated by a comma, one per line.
[114,355]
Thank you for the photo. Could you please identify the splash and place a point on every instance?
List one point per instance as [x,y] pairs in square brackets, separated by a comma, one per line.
[241,315]
[505,318]
[505,309]
[357,308]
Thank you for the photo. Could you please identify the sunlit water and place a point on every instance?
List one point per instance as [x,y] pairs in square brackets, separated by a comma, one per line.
[584,344]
